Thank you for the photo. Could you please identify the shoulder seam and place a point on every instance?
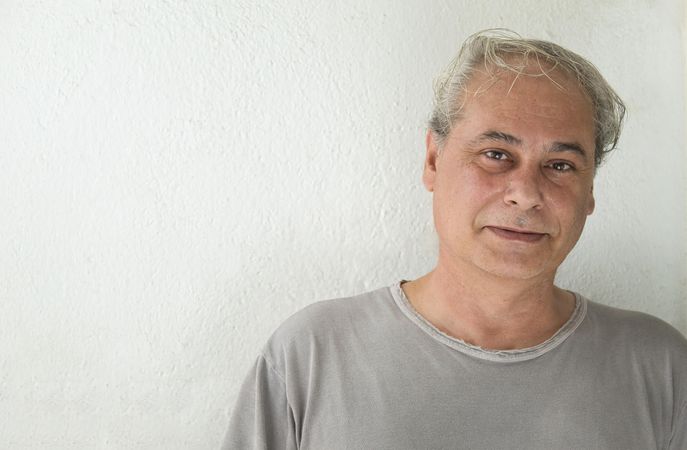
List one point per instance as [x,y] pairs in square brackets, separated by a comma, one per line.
[270,365]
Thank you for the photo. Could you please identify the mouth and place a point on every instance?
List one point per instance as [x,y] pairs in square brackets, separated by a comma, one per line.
[513,234]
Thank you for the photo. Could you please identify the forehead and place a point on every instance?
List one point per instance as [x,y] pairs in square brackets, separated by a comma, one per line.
[539,103]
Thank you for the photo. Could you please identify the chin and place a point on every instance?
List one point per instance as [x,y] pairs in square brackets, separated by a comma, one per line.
[515,269]
[522,275]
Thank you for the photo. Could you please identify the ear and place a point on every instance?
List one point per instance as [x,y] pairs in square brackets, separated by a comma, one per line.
[590,201]
[429,172]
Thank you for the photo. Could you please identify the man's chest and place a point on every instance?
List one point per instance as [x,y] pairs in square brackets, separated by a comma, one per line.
[416,406]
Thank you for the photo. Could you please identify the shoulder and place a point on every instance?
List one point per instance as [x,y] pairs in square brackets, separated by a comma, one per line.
[328,326]
[636,330]
[638,323]
[330,315]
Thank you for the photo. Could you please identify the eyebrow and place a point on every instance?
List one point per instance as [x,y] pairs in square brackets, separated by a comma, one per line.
[497,136]
[556,147]
[568,147]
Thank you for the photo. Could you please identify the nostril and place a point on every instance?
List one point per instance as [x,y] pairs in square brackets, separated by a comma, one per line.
[523,196]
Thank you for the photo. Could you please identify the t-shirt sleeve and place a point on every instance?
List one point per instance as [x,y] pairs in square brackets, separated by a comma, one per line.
[262,417]
[678,440]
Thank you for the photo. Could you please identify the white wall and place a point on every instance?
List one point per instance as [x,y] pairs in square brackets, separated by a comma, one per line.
[177,177]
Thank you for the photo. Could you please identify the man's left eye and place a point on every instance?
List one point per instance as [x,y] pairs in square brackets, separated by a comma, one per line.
[560,166]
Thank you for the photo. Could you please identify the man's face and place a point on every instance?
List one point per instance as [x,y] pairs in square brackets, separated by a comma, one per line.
[513,180]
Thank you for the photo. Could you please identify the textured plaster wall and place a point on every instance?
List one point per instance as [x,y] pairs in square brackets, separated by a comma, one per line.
[177,178]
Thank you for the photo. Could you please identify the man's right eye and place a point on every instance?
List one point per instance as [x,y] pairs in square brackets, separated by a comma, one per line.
[495,154]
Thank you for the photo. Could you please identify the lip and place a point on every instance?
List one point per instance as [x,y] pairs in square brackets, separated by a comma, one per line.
[514,234]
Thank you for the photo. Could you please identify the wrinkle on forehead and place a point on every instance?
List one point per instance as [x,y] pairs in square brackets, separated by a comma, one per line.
[483,81]
[519,66]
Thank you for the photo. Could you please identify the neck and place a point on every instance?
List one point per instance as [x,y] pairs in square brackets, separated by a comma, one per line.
[490,311]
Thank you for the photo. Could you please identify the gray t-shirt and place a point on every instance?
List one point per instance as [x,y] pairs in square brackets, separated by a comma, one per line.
[368,372]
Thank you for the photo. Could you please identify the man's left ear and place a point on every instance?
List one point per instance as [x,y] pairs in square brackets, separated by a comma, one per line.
[590,201]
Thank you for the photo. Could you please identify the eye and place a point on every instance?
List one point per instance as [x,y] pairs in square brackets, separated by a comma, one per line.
[496,155]
[561,166]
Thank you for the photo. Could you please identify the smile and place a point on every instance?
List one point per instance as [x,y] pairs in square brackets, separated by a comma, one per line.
[516,235]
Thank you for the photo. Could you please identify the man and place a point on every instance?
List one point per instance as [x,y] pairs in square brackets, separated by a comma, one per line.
[484,352]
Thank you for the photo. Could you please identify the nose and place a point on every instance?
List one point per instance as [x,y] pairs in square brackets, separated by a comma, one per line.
[524,190]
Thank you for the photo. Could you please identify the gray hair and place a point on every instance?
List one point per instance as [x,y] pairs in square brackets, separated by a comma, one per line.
[496,49]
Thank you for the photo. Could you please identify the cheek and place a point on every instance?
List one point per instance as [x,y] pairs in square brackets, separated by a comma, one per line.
[463,196]
[467,179]
[572,210]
